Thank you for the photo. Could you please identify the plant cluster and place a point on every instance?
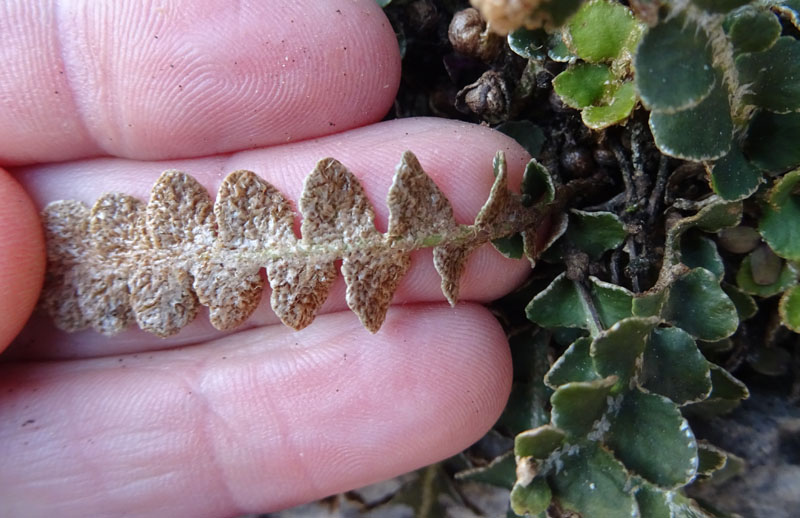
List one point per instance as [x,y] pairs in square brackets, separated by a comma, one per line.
[641,302]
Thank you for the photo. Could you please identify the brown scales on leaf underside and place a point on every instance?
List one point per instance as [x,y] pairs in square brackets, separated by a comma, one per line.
[123,261]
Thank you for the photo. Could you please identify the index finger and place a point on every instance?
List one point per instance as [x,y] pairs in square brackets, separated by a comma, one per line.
[155,81]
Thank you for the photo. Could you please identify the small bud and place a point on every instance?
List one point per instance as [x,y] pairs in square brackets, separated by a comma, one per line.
[422,15]
[488,97]
[578,162]
[765,266]
[605,157]
[738,240]
[469,36]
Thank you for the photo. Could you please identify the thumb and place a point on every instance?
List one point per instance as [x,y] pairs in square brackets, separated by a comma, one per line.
[22,258]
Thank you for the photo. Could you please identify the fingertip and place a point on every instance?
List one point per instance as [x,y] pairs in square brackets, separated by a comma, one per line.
[22,257]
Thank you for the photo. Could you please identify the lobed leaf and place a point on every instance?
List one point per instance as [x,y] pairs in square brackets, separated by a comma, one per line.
[772,75]
[557,49]
[575,364]
[595,232]
[67,224]
[583,84]
[780,220]
[786,277]
[697,304]
[710,459]
[771,141]
[698,251]
[612,303]
[559,305]
[769,361]
[538,443]
[674,367]
[618,108]
[532,499]
[734,177]
[789,308]
[562,304]
[601,31]
[733,466]
[512,247]
[739,240]
[715,216]
[537,184]
[746,306]
[726,393]
[673,66]
[752,29]
[676,132]
[593,483]
[715,348]
[652,439]
[577,406]
[529,43]
[617,351]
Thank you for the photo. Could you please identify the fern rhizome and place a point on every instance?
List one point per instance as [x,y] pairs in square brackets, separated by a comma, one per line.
[123,260]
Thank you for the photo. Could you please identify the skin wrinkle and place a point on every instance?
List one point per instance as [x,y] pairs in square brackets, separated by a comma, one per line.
[65,72]
[268,411]
[80,55]
[209,432]
[35,94]
[299,463]
[220,442]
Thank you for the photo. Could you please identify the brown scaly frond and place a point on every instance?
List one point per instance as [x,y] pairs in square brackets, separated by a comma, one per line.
[123,261]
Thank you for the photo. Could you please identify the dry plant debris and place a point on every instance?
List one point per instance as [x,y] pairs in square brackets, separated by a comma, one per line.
[122,260]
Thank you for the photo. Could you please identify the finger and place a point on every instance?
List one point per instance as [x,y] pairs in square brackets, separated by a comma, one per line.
[457,156]
[264,421]
[192,77]
[21,258]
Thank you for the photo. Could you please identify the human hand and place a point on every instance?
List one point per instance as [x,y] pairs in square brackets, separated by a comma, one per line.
[265,417]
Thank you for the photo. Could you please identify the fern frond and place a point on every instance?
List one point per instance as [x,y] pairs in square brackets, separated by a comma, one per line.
[123,261]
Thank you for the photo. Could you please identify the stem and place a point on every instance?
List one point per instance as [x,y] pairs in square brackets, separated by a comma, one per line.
[595,325]
[626,169]
[655,202]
